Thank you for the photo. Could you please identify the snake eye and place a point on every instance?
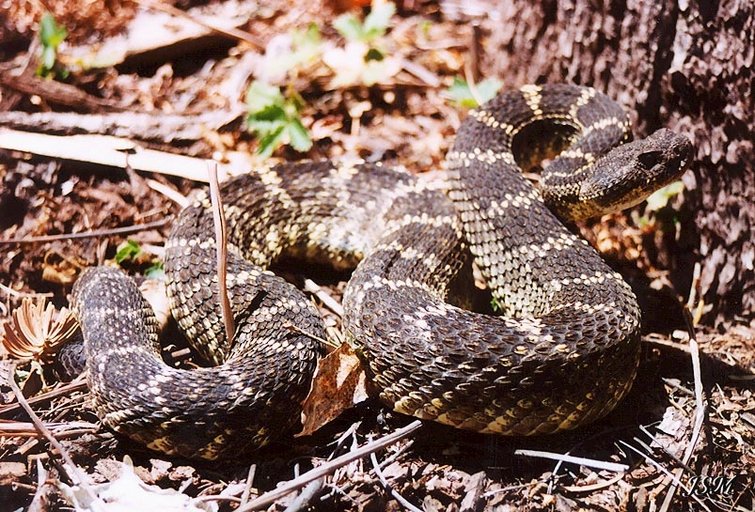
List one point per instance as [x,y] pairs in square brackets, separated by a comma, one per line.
[650,159]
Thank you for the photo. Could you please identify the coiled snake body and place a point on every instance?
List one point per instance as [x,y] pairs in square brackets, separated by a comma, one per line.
[562,351]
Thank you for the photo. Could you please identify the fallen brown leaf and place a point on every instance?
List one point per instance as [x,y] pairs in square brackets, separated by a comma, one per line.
[11,471]
[339,383]
[60,269]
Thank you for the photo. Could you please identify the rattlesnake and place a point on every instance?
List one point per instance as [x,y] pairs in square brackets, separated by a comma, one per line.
[562,350]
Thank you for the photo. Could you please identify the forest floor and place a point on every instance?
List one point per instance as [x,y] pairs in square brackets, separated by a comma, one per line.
[392,88]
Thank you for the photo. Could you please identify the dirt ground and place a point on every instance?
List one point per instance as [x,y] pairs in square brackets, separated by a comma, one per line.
[681,440]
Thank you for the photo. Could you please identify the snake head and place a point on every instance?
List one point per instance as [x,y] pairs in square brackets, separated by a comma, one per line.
[628,174]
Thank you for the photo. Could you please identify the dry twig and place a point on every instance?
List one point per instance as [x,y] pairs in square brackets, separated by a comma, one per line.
[231,32]
[171,193]
[322,294]
[668,473]
[89,234]
[590,463]
[221,246]
[249,482]
[109,151]
[694,351]
[73,472]
[75,385]
[318,472]
[16,293]
[404,502]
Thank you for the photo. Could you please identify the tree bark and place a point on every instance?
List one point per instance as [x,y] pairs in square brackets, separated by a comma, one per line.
[686,65]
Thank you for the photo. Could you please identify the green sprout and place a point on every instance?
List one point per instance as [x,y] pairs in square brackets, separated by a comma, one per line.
[460,93]
[658,210]
[155,271]
[51,35]
[131,252]
[306,47]
[274,118]
[127,251]
[661,197]
[373,27]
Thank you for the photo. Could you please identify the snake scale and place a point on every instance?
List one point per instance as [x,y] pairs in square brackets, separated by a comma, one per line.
[562,350]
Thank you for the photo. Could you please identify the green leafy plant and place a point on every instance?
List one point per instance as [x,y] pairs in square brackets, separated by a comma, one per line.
[661,197]
[275,119]
[658,210]
[51,35]
[131,252]
[362,60]
[305,44]
[373,27]
[155,271]
[305,48]
[460,93]
[127,251]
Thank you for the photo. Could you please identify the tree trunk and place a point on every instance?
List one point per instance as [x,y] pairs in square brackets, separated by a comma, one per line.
[686,65]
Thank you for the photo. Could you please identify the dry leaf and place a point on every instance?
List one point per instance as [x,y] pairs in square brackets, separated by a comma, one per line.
[339,383]
[60,269]
[35,331]
[10,472]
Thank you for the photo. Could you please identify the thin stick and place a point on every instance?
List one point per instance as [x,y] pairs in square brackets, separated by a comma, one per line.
[317,290]
[74,385]
[475,50]
[15,293]
[694,351]
[39,501]
[383,480]
[249,482]
[171,193]
[668,473]
[471,64]
[215,497]
[593,487]
[695,295]
[60,434]
[590,463]
[315,487]
[106,150]
[22,427]
[468,76]
[298,329]
[233,33]
[666,343]
[71,469]
[509,488]
[221,246]
[89,234]
[327,468]
[302,500]
[662,447]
